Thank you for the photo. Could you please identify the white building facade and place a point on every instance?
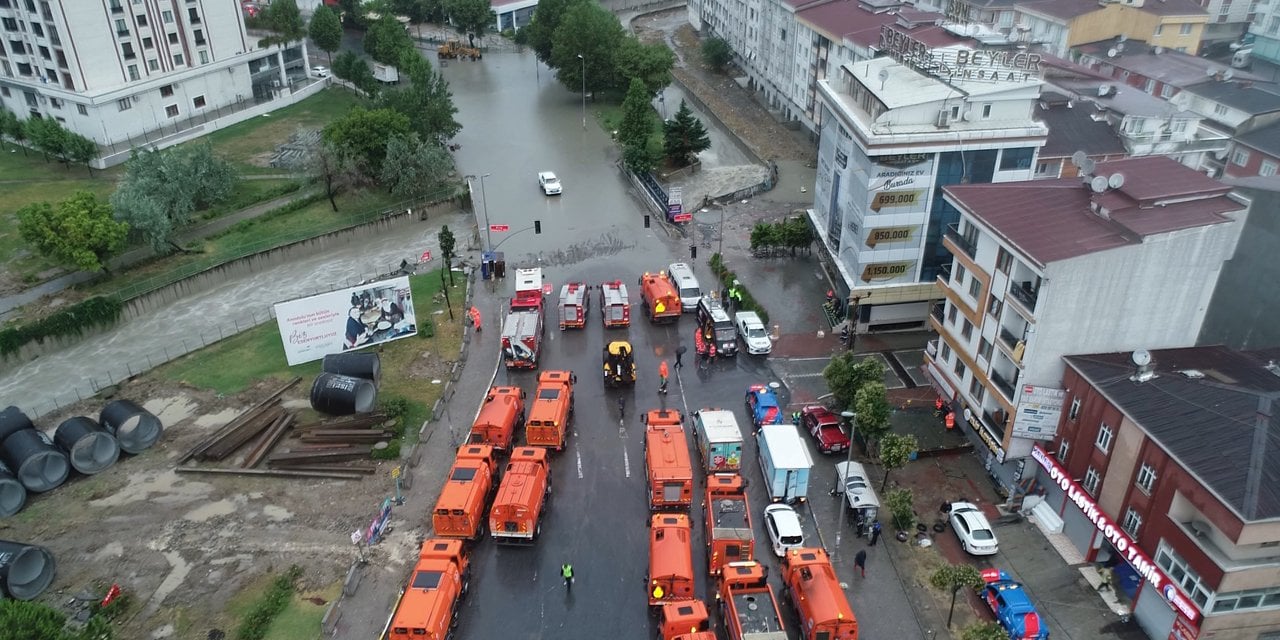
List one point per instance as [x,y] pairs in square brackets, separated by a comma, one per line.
[892,136]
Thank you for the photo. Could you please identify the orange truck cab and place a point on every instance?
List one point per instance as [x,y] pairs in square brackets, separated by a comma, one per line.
[729,534]
[660,299]
[615,306]
[428,606]
[501,411]
[670,559]
[666,461]
[551,410]
[516,516]
[685,620]
[461,507]
[822,606]
[747,606]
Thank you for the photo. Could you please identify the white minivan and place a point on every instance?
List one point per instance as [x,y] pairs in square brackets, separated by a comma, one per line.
[686,284]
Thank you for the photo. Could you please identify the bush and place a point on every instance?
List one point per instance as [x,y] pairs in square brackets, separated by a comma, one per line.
[717,53]
[749,302]
[73,321]
[901,504]
[392,452]
[264,611]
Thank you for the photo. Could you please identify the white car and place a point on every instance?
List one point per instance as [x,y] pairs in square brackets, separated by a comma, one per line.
[783,524]
[753,333]
[549,182]
[320,72]
[971,526]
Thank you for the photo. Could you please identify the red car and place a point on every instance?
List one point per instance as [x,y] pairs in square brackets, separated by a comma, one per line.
[825,428]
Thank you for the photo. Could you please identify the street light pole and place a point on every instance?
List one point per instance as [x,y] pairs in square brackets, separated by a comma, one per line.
[852,419]
[488,241]
[584,91]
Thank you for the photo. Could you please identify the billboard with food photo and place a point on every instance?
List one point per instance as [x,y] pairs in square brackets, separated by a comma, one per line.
[371,313]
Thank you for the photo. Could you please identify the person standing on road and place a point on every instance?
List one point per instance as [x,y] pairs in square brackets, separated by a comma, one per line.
[859,561]
[875,532]
[566,571]
[679,353]
[622,407]
[663,372]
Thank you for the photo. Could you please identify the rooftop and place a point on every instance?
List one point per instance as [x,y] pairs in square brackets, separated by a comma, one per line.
[1225,397]
[1247,96]
[1265,139]
[839,18]
[1072,128]
[1055,220]
[1125,100]
[1168,66]
[1174,8]
[1063,9]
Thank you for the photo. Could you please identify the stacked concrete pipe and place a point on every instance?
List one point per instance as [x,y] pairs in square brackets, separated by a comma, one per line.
[90,448]
[25,569]
[134,428]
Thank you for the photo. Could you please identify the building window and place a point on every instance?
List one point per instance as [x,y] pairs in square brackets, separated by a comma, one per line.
[1185,28]
[994,306]
[1239,157]
[37,29]
[977,390]
[4,91]
[1004,261]
[959,275]
[116,7]
[1063,448]
[199,36]
[1146,478]
[127,48]
[975,288]
[984,349]
[1159,29]
[122,29]
[177,59]
[1245,600]
[1132,522]
[946,352]
[147,43]
[142,20]
[167,16]
[1075,410]
[1091,480]
[24,69]
[198,102]
[204,56]
[173,38]
[133,72]
[84,111]
[166,91]
[1219,109]
[124,104]
[1180,572]
[1103,441]
[55,103]
[960,369]
[171,111]
[44,53]
[967,331]
[1166,91]
[193,15]
[1020,158]
[951,315]
[1267,169]
[986,111]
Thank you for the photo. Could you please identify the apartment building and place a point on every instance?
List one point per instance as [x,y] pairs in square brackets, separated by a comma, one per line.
[1265,28]
[1128,254]
[123,69]
[1164,470]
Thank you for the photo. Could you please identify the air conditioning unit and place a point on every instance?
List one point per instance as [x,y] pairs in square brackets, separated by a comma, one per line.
[944,118]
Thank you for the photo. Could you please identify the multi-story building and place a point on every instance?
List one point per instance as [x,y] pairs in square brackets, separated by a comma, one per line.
[1155,70]
[1230,19]
[1164,469]
[122,72]
[1241,314]
[1073,130]
[893,134]
[1265,28]
[1130,255]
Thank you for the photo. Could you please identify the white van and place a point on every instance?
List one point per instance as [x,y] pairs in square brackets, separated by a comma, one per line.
[682,278]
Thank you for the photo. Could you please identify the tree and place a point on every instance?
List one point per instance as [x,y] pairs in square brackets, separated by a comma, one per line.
[329,165]
[351,67]
[984,631]
[637,116]
[15,129]
[414,168]
[797,234]
[352,13]
[717,53]
[901,506]
[448,246]
[546,19]
[872,407]
[895,451]
[426,100]
[78,233]
[651,63]
[640,157]
[47,135]
[386,40]
[361,136]
[284,19]
[415,10]
[591,31]
[80,150]
[161,189]
[684,136]
[470,16]
[953,577]
[326,31]
[845,375]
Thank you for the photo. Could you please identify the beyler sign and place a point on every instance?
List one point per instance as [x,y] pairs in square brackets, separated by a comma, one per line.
[1124,545]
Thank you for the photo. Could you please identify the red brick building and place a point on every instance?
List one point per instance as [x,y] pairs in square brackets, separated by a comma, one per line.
[1166,468]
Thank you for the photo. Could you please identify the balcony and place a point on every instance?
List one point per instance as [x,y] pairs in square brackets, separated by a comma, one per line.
[1005,386]
[953,234]
[1015,345]
[1025,293]
[935,310]
[997,422]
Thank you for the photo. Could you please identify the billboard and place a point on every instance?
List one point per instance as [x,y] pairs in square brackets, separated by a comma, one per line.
[1039,409]
[371,313]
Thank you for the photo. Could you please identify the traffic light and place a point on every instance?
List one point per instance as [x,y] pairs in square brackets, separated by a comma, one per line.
[537,226]
[646,221]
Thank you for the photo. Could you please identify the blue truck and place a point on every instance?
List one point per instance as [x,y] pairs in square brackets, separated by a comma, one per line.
[1012,606]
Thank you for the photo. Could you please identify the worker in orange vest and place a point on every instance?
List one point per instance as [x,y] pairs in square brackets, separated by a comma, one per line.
[475,317]
[950,420]
[662,377]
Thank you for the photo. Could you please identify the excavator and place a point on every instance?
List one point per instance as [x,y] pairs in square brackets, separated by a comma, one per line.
[454,49]
[619,364]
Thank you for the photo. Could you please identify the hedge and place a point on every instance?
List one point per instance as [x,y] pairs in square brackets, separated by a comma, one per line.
[73,321]
[749,303]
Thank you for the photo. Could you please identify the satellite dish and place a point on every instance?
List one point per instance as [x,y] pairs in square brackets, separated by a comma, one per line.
[1123,37]
[1111,53]
[884,75]
[1078,158]
[1088,166]
[1142,357]
[1158,50]
[1229,75]
[1098,184]
[967,115]
[1116,180]
[1120,46]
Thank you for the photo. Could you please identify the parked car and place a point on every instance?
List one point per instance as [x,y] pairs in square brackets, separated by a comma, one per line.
[1012,606]
[752,332]
[762,405]
[971,526]
[825,428]
[320,72]
[549,183]
[783,524]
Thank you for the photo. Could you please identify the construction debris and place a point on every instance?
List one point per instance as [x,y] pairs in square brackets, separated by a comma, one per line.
[276,473]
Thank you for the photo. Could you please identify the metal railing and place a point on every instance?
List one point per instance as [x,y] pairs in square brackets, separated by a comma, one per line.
[1025,294]
[1005,386]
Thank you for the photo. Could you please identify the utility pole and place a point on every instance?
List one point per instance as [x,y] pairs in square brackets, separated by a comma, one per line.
[852,419]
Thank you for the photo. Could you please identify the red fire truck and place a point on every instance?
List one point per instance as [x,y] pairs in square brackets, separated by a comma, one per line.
[615,306]
[522,331]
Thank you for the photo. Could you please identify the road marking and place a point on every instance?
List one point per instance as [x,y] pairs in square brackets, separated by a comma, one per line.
[579,454]
[805,375]
[802,359]
[626,462]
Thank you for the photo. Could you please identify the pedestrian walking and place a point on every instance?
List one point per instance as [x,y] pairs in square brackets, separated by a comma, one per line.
[679,353]
[663,372]
[859,561]
[566,571]
[622,407]
[875,532]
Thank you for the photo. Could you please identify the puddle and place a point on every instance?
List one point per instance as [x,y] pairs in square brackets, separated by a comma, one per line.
[170,583]
[279,514]
[172,410]
[209,511]
[167,486]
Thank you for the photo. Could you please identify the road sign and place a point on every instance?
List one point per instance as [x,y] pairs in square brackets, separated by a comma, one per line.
[425,257]
[499,227]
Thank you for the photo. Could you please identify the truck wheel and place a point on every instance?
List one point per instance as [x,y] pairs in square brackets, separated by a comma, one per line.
[537,531]
[466,582]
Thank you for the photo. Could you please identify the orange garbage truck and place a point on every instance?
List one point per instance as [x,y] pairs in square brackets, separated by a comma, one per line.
[814,590]
[516,516]
[747,605]
[500,413]
[659,298]
[463,501]
[551,410]
[729,534]
[670,559]
[428,606]
[666,461]
[685,620]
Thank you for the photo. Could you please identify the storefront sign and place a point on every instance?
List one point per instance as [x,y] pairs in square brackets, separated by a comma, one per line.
[976,424]
[1039,409]
[901,159]
[896,199]
[885,271]
[982,65]
[891,235]
[1183,630]
[1123,544]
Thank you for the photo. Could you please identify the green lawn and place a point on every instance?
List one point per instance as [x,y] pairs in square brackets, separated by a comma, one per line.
[250,144]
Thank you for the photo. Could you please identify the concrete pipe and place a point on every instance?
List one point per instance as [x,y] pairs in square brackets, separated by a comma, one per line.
[135,428]
[40,465]
[13,496]
[342,395]
[12,420]
[89,446]
[357,364]
[25,569]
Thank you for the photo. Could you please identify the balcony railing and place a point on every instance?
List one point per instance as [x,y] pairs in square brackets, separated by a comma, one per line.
[1005,386]
[995,422]
[953,233]
[935,310]
[1026,294]
[1008,338]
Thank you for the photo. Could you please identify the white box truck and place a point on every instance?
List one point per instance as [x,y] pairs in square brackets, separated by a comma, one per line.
[386,73]
[719,440]
[785,462]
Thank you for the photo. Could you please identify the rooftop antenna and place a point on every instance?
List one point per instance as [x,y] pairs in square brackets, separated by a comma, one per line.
[1088,166]
[884,75]
[1098,184]
[1228,75]
[1111,53]
[1146,370]
[1116,180]
[1078,158]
